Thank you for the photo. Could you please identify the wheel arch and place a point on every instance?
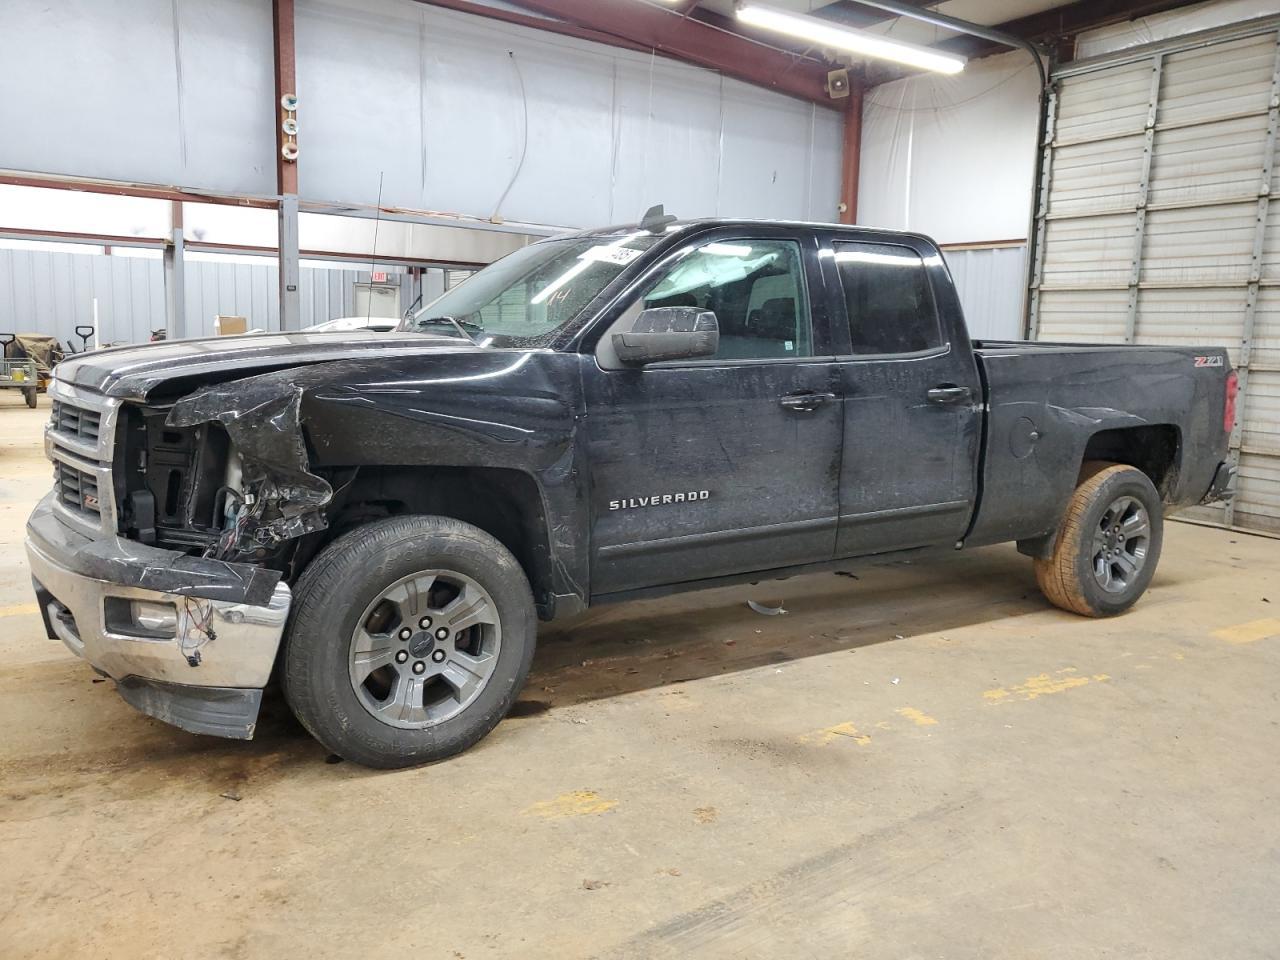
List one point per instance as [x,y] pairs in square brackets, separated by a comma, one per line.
[505,503]
[1155,449]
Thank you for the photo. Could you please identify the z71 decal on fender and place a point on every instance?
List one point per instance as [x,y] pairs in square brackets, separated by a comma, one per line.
[1208,361]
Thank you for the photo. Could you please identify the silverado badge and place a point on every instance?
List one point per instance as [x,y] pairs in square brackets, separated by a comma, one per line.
[659,499]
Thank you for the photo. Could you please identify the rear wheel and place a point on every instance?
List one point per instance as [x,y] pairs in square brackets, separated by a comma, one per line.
[30,395]
[1108,543]
[409,639]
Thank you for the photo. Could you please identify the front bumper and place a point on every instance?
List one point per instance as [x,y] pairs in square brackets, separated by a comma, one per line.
[205,671]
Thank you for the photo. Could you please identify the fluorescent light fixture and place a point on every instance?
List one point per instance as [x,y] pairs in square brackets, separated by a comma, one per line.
[826,34]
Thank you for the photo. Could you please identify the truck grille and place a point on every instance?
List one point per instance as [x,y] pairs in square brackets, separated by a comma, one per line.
[78,422]
[78,491]
[80,441]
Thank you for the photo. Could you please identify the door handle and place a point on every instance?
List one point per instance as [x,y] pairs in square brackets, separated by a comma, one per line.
[805,401]
[949,393]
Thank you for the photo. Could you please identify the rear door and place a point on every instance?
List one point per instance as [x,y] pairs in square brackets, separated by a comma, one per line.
[708,467]
[912,410]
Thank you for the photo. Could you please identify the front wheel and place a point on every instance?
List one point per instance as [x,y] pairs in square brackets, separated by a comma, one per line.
[409,640]
[1108,543]
[31,395]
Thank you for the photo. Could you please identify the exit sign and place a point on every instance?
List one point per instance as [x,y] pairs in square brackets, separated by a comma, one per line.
[379,276]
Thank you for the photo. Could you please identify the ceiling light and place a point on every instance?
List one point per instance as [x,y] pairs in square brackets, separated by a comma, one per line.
[826,34]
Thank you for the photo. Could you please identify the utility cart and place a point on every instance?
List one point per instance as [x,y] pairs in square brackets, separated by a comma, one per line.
[18,373]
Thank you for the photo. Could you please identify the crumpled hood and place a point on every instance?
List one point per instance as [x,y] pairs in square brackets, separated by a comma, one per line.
[134,372]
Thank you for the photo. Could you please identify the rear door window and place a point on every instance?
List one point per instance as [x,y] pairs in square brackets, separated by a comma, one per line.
[888,299]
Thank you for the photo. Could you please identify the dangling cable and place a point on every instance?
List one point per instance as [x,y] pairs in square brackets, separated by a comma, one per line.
[524,140]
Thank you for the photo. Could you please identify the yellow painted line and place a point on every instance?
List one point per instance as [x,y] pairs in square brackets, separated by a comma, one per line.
[917,717]
[19,609]
[1042,685]
[579,803]
[1249,632]
[840,730]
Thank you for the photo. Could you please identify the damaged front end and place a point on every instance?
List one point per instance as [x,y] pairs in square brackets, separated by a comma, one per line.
[221,473]
[160,554]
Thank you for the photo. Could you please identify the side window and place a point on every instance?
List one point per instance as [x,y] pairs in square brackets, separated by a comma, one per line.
[887,296]
[755,288]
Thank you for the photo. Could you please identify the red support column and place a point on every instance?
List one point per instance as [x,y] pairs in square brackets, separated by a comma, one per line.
[286,166]
[851,155]
[286,82]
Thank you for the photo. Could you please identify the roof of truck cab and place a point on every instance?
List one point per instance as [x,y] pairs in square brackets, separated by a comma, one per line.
[684,226]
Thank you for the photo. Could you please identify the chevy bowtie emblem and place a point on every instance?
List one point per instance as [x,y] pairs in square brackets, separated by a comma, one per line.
[90,502]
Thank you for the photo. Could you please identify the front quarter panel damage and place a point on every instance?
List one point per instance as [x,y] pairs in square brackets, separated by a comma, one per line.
[515,410]
[283,498]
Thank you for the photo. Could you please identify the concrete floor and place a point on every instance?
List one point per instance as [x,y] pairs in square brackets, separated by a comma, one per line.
[925,761]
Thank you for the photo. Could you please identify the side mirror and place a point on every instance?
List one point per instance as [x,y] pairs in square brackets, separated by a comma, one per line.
[669,333]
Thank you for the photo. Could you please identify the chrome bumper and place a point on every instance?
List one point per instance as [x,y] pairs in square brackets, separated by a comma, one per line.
[218,647]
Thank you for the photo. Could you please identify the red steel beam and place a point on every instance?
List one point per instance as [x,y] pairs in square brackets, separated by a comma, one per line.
[851,155]
[686,8]
[152,192]
[671,33]
[286,82]
[71,236]
[535,23]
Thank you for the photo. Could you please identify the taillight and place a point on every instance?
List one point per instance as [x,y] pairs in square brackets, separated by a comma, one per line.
[1229,408]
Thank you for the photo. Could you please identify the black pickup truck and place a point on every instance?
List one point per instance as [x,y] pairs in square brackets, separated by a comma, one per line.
[380,519]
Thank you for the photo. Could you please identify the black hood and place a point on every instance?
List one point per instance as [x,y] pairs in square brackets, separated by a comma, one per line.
[135,372]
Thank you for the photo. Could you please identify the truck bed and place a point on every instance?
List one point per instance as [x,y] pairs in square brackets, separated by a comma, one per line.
[1046,414]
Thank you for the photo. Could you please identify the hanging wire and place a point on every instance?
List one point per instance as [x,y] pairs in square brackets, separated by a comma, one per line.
[524,138]
[373,260]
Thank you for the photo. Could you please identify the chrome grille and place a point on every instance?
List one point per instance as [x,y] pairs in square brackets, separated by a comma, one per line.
[80,440]
[78,491]
[78,422]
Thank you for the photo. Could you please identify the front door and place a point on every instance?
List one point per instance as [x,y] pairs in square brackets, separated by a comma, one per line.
[727,464]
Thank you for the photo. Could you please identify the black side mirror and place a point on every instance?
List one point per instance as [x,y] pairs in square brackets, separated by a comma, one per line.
[669,333]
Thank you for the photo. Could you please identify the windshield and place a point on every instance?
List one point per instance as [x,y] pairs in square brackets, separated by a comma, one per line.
[526,297]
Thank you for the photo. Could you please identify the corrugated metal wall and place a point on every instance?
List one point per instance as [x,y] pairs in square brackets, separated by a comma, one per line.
[441,108]
[52,292]
[990,283]
[1155,225]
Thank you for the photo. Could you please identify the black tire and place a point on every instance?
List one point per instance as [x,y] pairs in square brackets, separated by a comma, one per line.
[1072,577]
[30,395]
[336,590]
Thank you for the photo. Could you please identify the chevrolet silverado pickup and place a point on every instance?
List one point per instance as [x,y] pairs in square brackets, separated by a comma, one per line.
[379,520]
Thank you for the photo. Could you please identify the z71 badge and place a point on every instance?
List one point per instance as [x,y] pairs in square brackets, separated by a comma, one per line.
[659,499]
[1208,361]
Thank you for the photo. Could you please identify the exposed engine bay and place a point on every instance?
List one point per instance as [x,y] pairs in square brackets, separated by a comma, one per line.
[219,481]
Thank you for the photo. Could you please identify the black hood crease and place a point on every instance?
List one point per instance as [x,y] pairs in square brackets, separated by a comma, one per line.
[174,367]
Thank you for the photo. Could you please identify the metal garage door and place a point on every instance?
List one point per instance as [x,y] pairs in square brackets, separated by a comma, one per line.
[1154,223]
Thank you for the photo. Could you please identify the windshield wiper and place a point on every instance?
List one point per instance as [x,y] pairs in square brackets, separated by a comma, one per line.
[459,325]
